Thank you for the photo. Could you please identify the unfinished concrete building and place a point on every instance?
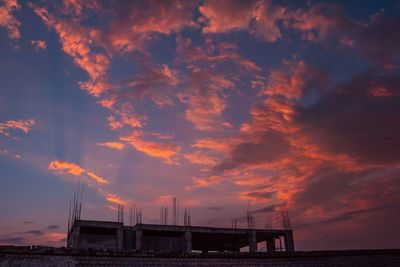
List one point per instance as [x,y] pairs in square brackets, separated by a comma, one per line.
[85,234]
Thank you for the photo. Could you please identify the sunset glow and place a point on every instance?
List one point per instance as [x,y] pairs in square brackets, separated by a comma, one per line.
[224,104]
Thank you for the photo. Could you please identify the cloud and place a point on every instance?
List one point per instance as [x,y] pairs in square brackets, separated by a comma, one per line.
[7,20]
[52,227]
[205,181]
[270,208]
[206,100]
[200,158]
[12,240]
[154,82]
[115,200]
[77,42]
[218,145]
[137,21]
[64,167]
[272,146]
[225,15]
[375,38]
[125,115]
[349,120]
[33,232]
[258,17]
[113,145]
[74,170]
[165,150]
[24,125]
[39,44]
[266,17]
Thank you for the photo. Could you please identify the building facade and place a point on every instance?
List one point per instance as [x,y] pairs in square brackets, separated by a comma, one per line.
[85,234]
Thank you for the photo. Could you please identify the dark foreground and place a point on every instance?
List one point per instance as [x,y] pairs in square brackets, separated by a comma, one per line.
[45,256]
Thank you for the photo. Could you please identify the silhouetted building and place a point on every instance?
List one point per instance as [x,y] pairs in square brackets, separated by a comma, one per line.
[85,234]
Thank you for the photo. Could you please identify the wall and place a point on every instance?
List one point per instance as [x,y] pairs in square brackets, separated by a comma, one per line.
[305,259]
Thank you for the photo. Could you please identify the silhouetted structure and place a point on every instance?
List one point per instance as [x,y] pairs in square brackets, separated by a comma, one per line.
[86,234]
[99,235]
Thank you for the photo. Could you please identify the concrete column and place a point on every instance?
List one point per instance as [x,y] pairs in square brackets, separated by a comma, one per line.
[120,238]
[188,238]
[252,241]
[289,241]
[139,237]
[75,236]
[271,245]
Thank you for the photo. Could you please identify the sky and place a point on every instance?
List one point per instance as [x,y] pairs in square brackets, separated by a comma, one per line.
[224,104]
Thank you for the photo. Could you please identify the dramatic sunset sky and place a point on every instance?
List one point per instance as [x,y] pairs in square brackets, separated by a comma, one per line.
[220,103]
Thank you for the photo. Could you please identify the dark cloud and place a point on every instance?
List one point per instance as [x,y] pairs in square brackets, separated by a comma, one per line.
[351,120]
[270,208]
[377,37]
[32,232]
[351,215]
[260,194]
[28,222]
[272,146]
[52,227]
[378,40]
[12,240]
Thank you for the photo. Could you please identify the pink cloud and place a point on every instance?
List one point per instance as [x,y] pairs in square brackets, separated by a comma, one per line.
[74,170]
[7,20]
[115,199]
[113,145]
[156,82]
[225,15]
[165,150]
[206,100]
[77,42]
[22,125]
[258,17]
[200,158]
[138,20]
[39,44]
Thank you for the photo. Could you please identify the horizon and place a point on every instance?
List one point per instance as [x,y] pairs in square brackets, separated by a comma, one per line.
[227,105]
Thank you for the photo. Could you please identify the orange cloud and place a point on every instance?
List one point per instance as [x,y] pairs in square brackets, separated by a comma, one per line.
[7,20]
[114,199]
[219,145]
[39,44]
[206,181]
[258,16]
[124,115]
[70,168]
[75,170]
[380,91]
[165,150]
[138,20]
[76,42]
[200,158]
[23,125]
[155,82]
[96,178]
[206,101]
[225,15]
[113,145]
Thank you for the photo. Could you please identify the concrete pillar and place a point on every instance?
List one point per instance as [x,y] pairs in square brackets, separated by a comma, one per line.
[139,237]
[271,245]
[188,238]
[252,241]
[120,238]
[289,241]
[75,236]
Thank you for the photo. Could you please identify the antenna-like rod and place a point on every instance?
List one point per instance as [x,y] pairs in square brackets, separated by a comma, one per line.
[80,204]
[69,215]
